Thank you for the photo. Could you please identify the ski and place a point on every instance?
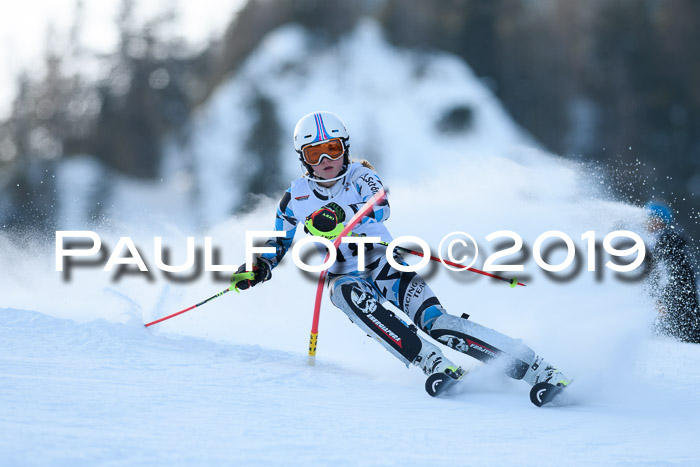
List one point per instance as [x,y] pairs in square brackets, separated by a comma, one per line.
[438,383]
[543,393]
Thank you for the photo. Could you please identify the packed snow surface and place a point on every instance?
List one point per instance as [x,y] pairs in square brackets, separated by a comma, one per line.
[83,382]
[111,393]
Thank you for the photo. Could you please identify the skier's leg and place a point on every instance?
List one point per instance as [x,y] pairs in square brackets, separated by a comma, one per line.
[359,301]
[486,344]
[410,293]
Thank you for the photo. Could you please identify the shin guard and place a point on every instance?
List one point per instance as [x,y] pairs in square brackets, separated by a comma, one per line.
[356,299]
[483,343]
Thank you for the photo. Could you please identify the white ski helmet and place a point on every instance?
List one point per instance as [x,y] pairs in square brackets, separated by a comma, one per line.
[319,126]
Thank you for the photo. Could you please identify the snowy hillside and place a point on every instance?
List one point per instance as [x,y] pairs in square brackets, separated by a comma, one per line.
[391,100]
[83,382]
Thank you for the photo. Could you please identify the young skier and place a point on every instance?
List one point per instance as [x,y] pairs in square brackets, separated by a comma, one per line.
[331,192]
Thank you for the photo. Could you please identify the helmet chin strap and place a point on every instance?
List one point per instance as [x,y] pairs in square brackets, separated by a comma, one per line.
[321,180]
[309,170]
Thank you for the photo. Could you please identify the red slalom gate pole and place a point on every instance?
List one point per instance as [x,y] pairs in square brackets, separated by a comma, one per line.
[313,340]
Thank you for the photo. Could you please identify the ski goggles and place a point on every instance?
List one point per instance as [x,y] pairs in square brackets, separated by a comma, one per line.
[314,153]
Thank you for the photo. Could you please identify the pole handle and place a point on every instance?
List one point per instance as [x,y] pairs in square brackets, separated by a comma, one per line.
[238,277]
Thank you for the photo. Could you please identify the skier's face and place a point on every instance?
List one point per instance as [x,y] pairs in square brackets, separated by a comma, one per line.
[328,168]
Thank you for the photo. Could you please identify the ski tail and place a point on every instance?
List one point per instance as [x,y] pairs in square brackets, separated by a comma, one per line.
[438,383]
[544,393]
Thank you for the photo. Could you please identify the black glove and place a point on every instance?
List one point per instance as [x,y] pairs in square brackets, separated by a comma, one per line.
[339,212]
[325,221]
[262,270]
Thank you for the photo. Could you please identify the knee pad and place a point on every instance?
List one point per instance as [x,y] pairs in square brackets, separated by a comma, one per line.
[336,295]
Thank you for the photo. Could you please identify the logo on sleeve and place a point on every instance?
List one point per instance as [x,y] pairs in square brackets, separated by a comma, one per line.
[302,198]
[371,182]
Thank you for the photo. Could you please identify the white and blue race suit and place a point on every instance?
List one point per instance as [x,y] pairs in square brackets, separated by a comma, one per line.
[407,291]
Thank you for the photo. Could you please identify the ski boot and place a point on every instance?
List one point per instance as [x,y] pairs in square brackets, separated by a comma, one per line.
[547,382]
[442,373]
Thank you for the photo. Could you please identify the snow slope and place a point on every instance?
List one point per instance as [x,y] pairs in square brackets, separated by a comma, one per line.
[108,393]
[83,382]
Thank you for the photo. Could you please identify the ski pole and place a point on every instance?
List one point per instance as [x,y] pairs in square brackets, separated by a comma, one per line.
[235,279]
[313,340]
[513,282]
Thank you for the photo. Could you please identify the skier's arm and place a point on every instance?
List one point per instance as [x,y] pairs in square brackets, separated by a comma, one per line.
[367,184]
[266,262]
[286,221]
